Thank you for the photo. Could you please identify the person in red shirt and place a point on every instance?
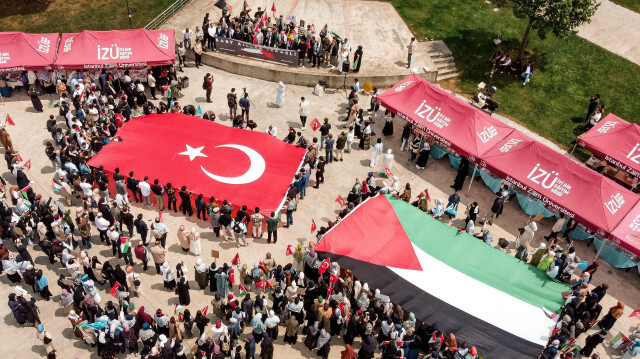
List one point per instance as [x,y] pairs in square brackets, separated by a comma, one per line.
[141,254]
[208,85]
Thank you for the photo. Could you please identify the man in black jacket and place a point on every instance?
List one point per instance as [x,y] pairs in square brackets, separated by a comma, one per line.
[593,104]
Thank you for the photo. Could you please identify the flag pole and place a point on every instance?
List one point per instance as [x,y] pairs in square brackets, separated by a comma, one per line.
[604,242]
[574,148]
[472,177]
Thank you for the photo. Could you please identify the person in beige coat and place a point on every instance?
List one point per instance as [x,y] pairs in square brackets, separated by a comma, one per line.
[183,238]
[46,338]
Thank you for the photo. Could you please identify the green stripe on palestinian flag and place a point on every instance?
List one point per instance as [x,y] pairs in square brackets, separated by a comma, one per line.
[125,245]
[243,291]
[483,295]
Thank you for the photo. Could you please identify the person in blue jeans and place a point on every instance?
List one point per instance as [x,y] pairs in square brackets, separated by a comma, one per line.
[329,145]
[291,207]
[245,104]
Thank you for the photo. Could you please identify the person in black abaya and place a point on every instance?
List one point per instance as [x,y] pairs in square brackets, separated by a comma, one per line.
[183,292]
[463,171]
[367,348]
[357,59]
[423,157]
[35,100]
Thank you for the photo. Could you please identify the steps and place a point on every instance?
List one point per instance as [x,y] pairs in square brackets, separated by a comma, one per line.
[443,59]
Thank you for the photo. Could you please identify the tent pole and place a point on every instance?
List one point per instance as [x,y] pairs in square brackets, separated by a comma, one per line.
[574,148]
[472,177]
[604,242]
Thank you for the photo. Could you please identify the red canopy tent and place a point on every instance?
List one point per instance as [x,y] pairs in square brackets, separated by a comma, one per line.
[627,233]
[468,130]
[615,140]
[27,52]
[561,183]
[116,49]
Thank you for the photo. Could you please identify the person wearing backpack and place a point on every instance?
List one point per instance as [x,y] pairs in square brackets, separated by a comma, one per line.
[238,231]
[256,221]
[232,101]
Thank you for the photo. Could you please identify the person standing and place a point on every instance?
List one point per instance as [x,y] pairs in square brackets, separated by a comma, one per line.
[145,190]
[303,111]
[317,53]
[186,37]
[463,172]
[245,104]
[142,254]
[208,86]
[496,209]
[185,201]
[593,105]
[197,51]
[329,144]
[387,161]
[423,158]
[181,53]
[141,228]
[232,102]
[410,48]
[151,82]
[350,137]
[557,228]
[341,143]
[158,254]
[527,73]
[324,133]
[280,93]
[272,228]
[320,172]
[291,207]
[357,59]
[239,228]
[158,193]
[256,221]
[376,152]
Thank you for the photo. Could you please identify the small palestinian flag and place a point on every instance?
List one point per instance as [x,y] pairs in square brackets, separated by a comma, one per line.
[243,291]
[179,311]
[125,245]
[267,284]
[24,191]
[324,28]
[55,187]
[114,289]
[289,251]
[10,121]
[205,310]
[618,340]
[245,6]
[263,268]
[411,246]
[203,354]
[341,201]
[313,226]
[355,63]
[324,266]
[235,259]
[261,284]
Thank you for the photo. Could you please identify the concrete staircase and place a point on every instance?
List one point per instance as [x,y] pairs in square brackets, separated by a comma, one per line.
[443,59]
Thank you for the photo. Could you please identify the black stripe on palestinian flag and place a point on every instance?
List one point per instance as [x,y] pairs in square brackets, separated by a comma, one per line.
[491,341]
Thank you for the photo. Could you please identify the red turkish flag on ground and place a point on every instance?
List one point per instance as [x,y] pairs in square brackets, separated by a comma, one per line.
[28,164]
[324,266]
[313,226]
[251,168]
[388,172]
[235,259]
[289,251]
[273,7]
[205,310]
[341,201]
[10,121]
[113,290]
[315,124]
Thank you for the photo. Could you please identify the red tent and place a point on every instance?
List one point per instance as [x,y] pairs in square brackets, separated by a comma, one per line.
[24,52]
[615,140]
[116,49]
[466,129]
[627,233]
[244,167]
[563,184]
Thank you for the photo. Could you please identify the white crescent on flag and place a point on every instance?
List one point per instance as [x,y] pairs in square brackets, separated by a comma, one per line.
[255,171]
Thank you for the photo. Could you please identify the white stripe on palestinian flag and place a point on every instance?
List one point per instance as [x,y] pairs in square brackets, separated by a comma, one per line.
[478,299]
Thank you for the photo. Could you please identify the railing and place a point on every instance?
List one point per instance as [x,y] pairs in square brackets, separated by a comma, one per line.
[165,15]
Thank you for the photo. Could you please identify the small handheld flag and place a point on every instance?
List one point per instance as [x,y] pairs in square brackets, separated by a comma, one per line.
[289,251]
[229,8]
[313,226]
[235,259]
[28,164]
[160,215]
[635,313]
[273,7]
[263,268]
[55,187]
[267,284]
[199,111]
[205,310]
[10,121]
[333,278]
[245,6]
[388,173]
[125,245]
[243,291]
[232,277]
[324,266]
[315,124]
[261,285]
[340,201]
[114,289]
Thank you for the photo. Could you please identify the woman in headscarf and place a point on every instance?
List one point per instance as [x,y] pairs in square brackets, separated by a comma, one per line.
[75,320]
[213,270]
[450,342]
[35,100]
[168,276]
[298,256]
[463,172]
[120,276]
[142,317]
[547,261]
[323,345]
[367,348]
[201,273]
[272,325]
[250,346]
[363,299]
[183,238]
[280,94]
[352,329]
[423,157]
[194,238]
[130,340]
[174,329]
[201,322]
[610,319]
[291,334]
[14,305]
[438,210]
[183,292]
[9,267]
[311,340]
[633,351]
[537,255]
[258,327]
[592,342]
[348,352]
[66,300]
[266,347]
[43,285]
[387,160]
[147,335]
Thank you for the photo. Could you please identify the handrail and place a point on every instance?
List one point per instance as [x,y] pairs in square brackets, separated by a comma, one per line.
[166,14]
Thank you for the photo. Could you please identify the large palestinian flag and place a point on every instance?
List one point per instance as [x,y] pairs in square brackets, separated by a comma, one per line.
[481,294]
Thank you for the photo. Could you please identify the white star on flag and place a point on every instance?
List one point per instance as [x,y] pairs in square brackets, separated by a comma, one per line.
[193,152]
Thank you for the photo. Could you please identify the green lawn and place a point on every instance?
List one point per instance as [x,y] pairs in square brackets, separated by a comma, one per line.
[567,71]
[76,15]
[629,4]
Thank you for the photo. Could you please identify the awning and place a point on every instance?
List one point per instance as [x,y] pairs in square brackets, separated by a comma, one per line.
[615,140]
[27,52]
[116,49]
[467,129]
[627,233]
[561,183]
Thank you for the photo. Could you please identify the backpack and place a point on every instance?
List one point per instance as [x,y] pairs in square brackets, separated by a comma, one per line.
[237,228]
[231,100]
[224,344]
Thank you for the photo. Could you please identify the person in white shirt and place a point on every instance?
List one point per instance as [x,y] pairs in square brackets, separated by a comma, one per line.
[102,225]
[303,111]
[86,187]
[272,130]
[350,136]
[114,236]
[151,81]
[145,189]
[375,153]
[186,37]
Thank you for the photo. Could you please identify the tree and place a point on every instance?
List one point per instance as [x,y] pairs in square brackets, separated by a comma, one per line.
[560,17]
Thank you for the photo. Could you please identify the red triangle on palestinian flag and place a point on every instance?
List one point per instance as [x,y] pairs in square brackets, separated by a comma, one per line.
[313,226]
[114,289]
[261,285]
[205,310]
[235,259]
[315,124]
[398,255]
[289,251]
[263,268]
[10,121]
[325,265]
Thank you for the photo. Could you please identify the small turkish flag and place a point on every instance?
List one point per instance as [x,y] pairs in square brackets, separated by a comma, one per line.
[232,277]
[289,251]
[426,191]
[388,172]
[313,226]
[205,310]
[255,40]
[273,7]
[635,313]
[10,121]
[333,278]
[329,290]
[229,7]
[261,285]
[251,168]
[340,201]
[28,164]
[113,290]
[315,124]
[19,158]
[160,215]
[324,266]
[235,259]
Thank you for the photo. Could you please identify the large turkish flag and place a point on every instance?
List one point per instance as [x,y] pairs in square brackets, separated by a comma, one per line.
[244,167]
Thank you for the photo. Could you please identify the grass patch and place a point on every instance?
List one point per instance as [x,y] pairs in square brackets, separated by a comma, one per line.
[74,16]
[568,71]
[629,4]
